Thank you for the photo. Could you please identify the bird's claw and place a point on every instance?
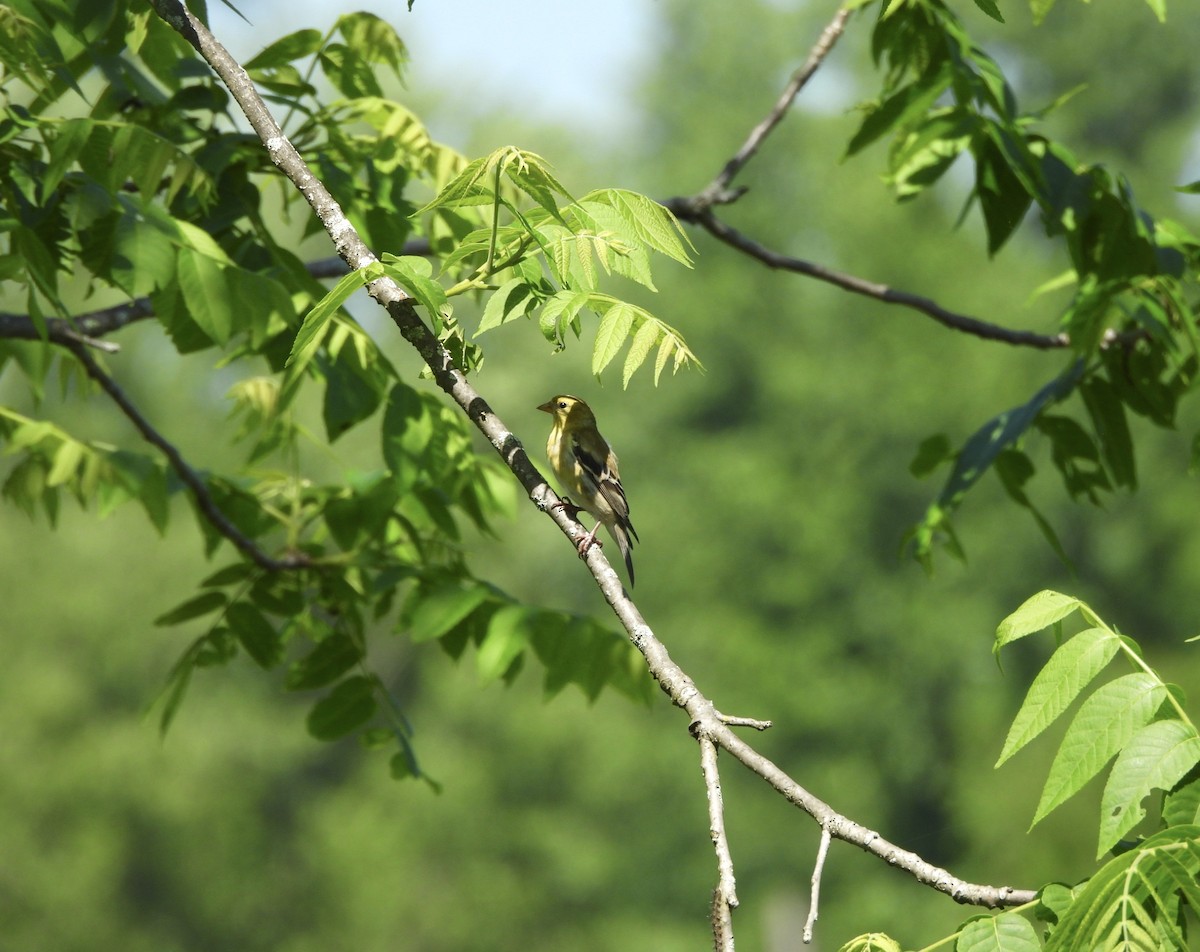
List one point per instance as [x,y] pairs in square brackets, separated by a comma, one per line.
[567,506]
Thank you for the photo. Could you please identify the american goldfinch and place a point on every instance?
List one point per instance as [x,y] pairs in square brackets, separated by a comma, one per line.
[586,467]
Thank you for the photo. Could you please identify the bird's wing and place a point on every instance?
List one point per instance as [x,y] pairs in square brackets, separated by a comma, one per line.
[603,480]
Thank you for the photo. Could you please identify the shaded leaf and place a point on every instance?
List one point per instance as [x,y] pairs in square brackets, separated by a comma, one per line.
[348,706]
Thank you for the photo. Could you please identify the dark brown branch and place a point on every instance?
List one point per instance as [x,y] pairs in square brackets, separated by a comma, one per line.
[686,211]
[204,500]
[84,329]
[706,722]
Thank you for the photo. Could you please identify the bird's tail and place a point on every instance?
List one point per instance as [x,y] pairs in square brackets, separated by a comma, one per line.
[621,537]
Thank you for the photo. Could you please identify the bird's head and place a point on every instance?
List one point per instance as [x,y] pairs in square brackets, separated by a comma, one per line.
[566,408]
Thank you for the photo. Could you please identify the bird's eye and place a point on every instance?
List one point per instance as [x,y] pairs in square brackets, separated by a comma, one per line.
[562,404]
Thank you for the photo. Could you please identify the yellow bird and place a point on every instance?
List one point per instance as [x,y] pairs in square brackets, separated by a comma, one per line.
[586,467]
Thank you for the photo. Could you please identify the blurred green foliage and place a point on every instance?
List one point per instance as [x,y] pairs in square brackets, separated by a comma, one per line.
[773,495]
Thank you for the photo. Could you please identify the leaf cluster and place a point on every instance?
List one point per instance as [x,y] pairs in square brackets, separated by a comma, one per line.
[125,176]
[1130,322]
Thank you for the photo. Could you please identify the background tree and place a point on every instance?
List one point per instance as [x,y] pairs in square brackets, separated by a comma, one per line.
[125,181]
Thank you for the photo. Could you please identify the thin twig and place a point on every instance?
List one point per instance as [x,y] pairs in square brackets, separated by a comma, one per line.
[726,892]
[814,898]
[717,191]
[671,678]
[204,500]
[734,721]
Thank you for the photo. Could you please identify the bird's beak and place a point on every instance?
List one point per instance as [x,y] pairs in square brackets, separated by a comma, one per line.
[547,407]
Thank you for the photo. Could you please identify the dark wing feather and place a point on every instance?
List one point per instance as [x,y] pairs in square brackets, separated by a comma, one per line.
[604,481]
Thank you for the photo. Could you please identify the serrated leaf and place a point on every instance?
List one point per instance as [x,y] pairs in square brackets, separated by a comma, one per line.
[348,706]
[1037,612]
[646,221]
[643,342]
[1155,758]
[1070,669]
[611,334]
[1103,725]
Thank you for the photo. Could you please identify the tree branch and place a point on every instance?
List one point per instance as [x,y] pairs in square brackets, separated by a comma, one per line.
[204,500]
[697,209]
[717,191]
[685,210]
[706,723]
[725,898]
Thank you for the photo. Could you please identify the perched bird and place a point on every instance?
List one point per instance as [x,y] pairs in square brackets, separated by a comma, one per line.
[586,467]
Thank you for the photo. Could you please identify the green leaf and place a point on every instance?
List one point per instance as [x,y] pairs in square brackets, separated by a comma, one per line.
[1155,758]
[610,336]
[902,107]
[374,40]
[1108,418]
[67,458]
[1040,9]
[407,430]
[348,706]
[1036,613]
[206,293]
[1003,196]
[872,942]
[327,662]
[1130,894]
[999,433]
[989,7]
[194,607]
[512,299]
[1182,805]
[931,453]
[309,337]
[1007,932]
[1103,726]
[414,275]
[643,342]
[285,50]
[1070,669]
[645,221]
[434,611]
[257,635]
[503,643]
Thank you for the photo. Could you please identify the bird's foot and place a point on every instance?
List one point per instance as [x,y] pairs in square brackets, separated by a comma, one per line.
[567,506]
